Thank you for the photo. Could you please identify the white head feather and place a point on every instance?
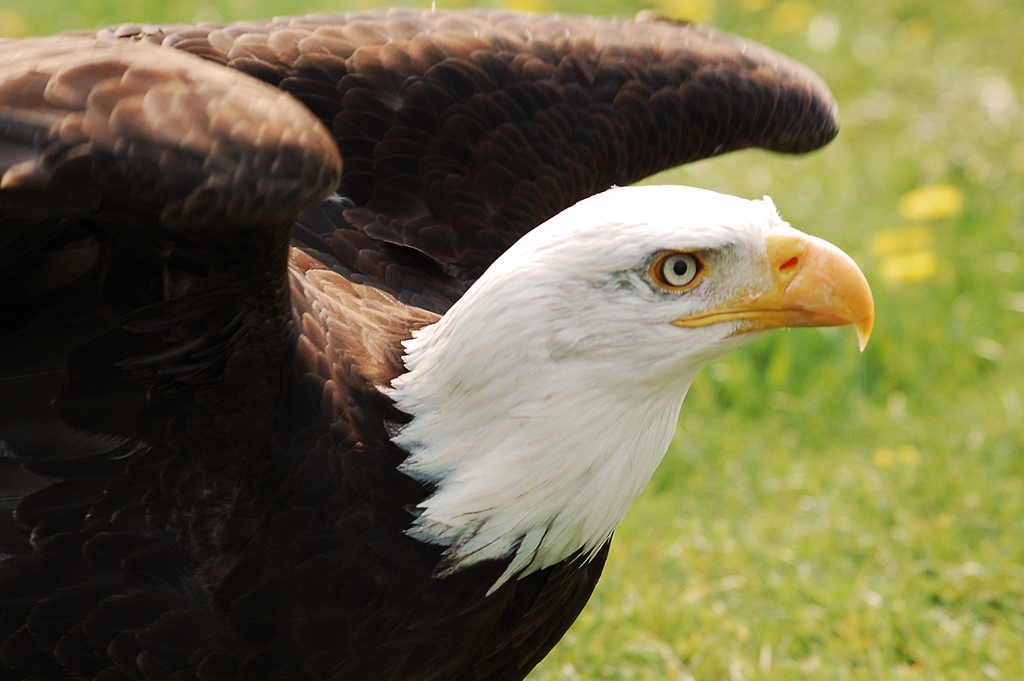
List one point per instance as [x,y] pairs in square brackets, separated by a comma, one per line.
[545,398]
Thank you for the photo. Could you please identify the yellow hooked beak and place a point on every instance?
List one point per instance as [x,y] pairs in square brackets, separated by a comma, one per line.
[813,283]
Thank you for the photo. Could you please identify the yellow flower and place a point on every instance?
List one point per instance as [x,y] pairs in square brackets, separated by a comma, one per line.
[886,457]
[932,202]
[524,5]
[909,267]
[906,254]
[909,455]
[790,16]
[897,241]
[883,457]
[690,10]
[12,23]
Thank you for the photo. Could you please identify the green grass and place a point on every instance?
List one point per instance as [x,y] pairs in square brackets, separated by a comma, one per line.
[826,514]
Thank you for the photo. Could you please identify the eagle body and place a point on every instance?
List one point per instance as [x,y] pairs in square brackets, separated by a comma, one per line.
[324,356]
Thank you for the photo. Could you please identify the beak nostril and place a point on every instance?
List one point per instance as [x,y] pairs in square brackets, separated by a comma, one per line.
[789,264]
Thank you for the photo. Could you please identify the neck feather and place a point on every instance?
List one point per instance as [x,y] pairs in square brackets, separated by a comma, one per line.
[534,456]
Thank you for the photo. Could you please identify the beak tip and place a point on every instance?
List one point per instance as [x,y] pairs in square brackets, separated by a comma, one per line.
[863,328]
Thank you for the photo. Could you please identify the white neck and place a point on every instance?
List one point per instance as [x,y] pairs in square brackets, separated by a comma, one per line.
[536,450]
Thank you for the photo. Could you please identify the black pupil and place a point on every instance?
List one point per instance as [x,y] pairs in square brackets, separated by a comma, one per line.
[680,267]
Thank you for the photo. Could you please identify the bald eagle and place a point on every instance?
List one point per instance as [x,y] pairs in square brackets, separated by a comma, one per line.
[268,416]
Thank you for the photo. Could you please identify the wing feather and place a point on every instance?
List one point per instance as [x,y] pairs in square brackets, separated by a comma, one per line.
[461,131]
[146,202]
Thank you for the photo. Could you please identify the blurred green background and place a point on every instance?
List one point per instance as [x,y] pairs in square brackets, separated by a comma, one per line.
[823,513]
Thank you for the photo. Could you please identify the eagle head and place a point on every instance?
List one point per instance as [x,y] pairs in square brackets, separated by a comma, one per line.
[545,398]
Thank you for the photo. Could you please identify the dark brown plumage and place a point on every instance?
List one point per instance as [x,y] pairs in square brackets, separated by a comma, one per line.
[196,475]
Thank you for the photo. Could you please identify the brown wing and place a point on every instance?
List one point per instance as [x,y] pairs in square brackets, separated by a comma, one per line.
[463,130]
[146,202]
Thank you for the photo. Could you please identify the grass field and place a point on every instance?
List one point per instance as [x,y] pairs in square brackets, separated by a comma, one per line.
[823,513]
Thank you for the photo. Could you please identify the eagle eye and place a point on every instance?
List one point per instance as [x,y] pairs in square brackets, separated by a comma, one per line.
[676,271]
